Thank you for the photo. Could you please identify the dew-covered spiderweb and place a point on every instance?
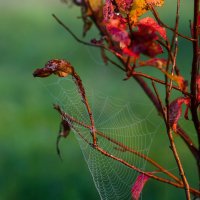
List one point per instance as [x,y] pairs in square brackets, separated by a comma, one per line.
[117,120]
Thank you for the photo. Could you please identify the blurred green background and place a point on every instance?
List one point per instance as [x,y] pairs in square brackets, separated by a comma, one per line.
[29,165]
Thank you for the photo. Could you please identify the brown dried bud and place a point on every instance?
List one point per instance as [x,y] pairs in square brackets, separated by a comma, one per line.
[60,68]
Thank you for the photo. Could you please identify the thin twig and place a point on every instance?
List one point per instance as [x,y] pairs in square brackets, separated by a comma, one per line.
[144,86]
[72,34]
[156,15]
[168,92]
[81,89]
[194,74]
[95,45]
[159,100]
[159,81]
[121,145]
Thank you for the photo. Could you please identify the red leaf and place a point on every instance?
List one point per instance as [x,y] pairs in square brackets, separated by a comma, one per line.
[118,34]
[150,48]
[108,10]
[124,5]
[145,38]
[152,26]
[117,29]
[128,52]
[138,186]
[175,110]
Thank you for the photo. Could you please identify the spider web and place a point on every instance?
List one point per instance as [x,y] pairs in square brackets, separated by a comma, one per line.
[116,120]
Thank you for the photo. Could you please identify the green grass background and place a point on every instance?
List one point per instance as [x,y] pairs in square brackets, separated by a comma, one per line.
[29,166]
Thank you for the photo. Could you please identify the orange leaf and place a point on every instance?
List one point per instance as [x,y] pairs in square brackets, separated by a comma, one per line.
[181,82]
[154,62]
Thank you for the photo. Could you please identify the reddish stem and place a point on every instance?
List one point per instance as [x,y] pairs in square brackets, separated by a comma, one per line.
[194,74]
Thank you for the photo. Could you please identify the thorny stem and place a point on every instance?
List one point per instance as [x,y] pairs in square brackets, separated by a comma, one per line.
[194,74]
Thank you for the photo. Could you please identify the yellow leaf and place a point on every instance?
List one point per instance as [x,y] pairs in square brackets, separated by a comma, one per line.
[155,2]
[94,6]
[139,7]
[181,82]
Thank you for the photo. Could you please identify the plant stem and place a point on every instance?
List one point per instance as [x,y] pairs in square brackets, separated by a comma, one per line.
[104,152]
[142,83]
[194,74]
[167,101]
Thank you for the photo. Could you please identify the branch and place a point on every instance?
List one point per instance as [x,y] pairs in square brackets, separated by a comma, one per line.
[72,34]
[195,72]
[179,184]
[156,15]
[168,92]
[159,81]
[195,63]
[141,82]
[81,89]
[121,145]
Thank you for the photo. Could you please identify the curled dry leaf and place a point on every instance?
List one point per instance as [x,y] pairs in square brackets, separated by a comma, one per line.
[61,68]
[63,132]
[175,111]
[65,128]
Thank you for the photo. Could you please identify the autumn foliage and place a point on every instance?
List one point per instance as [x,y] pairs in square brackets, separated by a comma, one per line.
[137,41]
